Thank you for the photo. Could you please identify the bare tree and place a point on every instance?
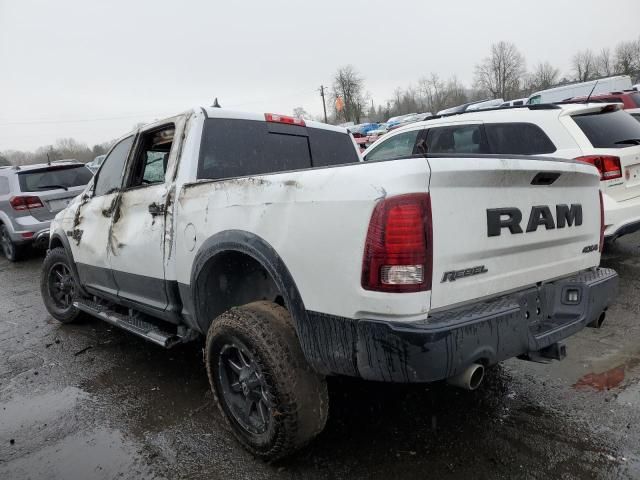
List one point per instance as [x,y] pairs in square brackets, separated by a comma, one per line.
[300,112]
[627,58]
[4,162]
[438,94]
[544,76]
[434,91]
[605,63]
[348,85]
[585,65]
[501,72]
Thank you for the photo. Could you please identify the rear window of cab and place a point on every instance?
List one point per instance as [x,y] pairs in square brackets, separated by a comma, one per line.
[237,148]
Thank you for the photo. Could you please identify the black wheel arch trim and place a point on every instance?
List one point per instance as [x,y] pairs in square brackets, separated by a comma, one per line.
[60,236]
[260,250]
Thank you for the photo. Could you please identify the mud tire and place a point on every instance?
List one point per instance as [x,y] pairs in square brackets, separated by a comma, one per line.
[299,401]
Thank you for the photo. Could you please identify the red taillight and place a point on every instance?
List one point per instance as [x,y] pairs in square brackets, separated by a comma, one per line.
[275,118]
[608,165]
[398,249]
[25,202]
[601,222]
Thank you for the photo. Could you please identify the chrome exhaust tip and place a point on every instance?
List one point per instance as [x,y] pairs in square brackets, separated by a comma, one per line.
[470,379]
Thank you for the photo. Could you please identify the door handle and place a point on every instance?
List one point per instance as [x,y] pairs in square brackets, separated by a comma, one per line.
[155,209]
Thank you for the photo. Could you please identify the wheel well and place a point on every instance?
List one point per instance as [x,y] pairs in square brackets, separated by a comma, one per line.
[231,279]
[55,243]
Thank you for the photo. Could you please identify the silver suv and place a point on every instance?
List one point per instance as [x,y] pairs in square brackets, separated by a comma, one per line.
[30,196]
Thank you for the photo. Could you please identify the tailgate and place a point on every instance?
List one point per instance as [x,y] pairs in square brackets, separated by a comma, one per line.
[473,257]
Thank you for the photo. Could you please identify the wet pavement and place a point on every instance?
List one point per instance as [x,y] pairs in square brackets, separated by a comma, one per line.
[88,401]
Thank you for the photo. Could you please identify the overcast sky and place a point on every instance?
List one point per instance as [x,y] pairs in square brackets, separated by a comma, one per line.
[91,70]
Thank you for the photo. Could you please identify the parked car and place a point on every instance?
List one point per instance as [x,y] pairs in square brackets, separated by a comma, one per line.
[362,129]
[267,235]
[397,120]
[603,135]
[630,100]
[30,196]
[94,165]
[418,117]
[594,87]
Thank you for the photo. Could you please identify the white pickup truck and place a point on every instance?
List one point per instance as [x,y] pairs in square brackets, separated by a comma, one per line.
[296,260]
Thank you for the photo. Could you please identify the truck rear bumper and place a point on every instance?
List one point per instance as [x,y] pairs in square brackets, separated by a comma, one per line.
[446,343]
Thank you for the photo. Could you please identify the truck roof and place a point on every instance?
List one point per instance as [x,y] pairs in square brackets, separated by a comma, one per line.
[213,112]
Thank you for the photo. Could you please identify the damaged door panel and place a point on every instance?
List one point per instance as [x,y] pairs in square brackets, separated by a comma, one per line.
[137,239]
[88,240]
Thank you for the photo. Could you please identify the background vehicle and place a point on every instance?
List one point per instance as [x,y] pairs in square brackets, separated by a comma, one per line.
[30,196]
[514,103]
[363,129]
[595,87]
[269,236]
[94,165]
[418,117]
[478,105]
[630,100]
[603,135]
[397,120]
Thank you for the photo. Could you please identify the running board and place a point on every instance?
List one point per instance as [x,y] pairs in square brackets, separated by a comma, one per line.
[132,324]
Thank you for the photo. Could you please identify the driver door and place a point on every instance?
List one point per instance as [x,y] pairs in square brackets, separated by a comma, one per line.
[140,241]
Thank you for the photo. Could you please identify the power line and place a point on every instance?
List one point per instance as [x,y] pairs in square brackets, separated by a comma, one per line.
[324,105]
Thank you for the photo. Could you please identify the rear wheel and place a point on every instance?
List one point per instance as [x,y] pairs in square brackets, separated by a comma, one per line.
[11,251]
[266,391]
[58,286]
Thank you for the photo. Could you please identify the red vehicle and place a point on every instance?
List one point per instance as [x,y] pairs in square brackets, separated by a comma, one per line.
[630,100]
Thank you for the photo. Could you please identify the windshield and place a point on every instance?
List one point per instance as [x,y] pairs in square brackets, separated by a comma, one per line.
[54,177]
[609,129]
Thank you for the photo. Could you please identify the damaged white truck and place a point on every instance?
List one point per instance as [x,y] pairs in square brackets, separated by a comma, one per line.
[296,260]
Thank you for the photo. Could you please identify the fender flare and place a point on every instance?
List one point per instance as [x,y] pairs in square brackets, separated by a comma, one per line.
[256,247]
[60,236]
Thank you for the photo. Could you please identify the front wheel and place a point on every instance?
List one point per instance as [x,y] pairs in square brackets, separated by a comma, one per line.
[266,391]
[58,286]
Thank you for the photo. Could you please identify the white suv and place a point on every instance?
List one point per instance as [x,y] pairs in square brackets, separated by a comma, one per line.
[603,135]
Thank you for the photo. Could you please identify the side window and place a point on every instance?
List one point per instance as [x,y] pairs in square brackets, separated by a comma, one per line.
[518,139]
[4,186]
[152,156]
[331,148]
[456,139]
[110,174]
[398,146]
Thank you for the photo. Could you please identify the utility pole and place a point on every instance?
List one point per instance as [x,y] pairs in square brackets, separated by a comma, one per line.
[324,105]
